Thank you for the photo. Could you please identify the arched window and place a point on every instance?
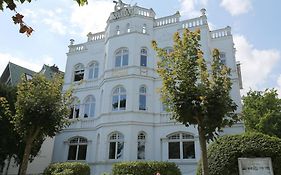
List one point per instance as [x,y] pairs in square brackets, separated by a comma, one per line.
[119,99]
[78,72]
[117,30]
[93,71]
[128,28]
[116,146]
[77,148]
[121,57]
[144,28]
[181,146]
[141,145]
[143,57]
[142,98]
[74,109]
[90,106]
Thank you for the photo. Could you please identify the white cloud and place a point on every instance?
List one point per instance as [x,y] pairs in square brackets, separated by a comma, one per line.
[91,17]
[32,64]
[256,64]
[237,7]
[191,8]
[55,25]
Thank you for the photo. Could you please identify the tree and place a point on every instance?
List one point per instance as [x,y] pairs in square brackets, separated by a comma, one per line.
[262,112]
[11,143]
[18,18]
[41,111]
[194,94]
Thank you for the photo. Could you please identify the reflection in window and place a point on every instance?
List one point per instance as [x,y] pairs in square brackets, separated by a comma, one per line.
[121,58]
[77,148]
[116,146]
[141,146]
[143,58]
[144,28]
[74,109]
[78,72]
[89,108]
[142,98]
[93,71]
[128,28]
[181,146]
[119,99]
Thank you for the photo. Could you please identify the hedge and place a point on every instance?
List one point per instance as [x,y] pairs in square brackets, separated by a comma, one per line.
[145,168]
[223,154]
[67,168]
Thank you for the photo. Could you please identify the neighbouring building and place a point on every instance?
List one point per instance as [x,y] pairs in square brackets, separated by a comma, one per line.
[12,76]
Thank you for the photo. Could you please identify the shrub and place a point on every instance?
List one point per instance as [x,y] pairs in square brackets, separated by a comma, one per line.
[223,154]
[145,168]
[67,168]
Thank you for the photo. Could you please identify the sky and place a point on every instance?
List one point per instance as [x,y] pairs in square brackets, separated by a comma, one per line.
[255,27]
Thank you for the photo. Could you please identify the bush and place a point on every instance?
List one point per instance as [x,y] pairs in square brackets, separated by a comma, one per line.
[223,154]
[145,168]
[67,168]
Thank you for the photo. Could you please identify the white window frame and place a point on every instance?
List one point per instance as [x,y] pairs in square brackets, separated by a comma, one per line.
[93,71]
[119,92]
[141,139]
[80,141]
[143,92]
[91,102]
[121,53]
[116,137]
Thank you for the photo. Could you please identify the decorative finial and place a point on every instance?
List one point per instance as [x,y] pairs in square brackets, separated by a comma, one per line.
[203,11]
[72,41]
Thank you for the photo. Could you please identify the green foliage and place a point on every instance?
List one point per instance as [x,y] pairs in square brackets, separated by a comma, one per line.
[145,168]
[223,154]
[193,95]
[262,112]
[67,168]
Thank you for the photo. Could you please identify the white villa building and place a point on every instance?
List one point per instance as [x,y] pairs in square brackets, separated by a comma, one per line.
[117,113]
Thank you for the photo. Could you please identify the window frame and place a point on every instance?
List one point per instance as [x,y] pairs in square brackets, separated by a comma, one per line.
[117,140]
[143,57]
[121,94]
[79,72]
[81,145]
[123,55]
[91,101]
[179,138]
[141,140]
[93,71]
[143,94]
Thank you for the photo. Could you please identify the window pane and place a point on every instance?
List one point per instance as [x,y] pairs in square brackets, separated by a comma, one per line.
[118,61]
[82,152]
[142,102]
[96,74]
[120,150]
[76,111]
[141,150]
[91,71]
[174,150]
[125,60]
[71,112]
[92,110]
[78,75]
[188,150]
[122,102]
[112,146]
[86,110]
[72,152]
[115,102]
[143,60]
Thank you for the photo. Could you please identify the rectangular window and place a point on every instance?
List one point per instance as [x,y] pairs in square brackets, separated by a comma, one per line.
[72,152]
[82,152]
[143,60]
[115,103]
[142,102]
[91,71]
[188,150]
[122,102]
[112,147]
[120,150]
[174,150]
[118,61]
[125,60]
[141,150]
[78,75]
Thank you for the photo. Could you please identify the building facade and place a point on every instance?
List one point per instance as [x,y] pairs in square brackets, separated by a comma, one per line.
[117,113]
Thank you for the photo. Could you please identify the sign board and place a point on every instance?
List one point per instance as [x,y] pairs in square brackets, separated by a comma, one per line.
[255,166]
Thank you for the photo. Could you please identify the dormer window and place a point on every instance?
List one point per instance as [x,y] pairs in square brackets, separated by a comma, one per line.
[144,28]
[117,30]
[128,28]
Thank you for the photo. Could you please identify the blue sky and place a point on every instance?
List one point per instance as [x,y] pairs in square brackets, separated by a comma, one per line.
[255,26]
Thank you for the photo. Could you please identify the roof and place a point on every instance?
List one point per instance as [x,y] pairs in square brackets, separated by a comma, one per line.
[13,72]
[49,71]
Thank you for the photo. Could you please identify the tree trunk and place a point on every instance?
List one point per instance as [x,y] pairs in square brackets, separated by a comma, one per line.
[203,146]
[8,164]
[26,155]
